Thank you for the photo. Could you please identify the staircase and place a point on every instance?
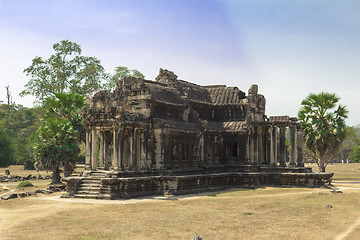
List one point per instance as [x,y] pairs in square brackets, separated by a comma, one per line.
[91,187]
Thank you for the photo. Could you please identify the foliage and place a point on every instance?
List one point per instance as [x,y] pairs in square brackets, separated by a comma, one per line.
[59,132]
[25,184]
[120,73]
[57,143]
[64,71]
[19,125]
[354,155]
[323,121]
[68,106]
[5,150]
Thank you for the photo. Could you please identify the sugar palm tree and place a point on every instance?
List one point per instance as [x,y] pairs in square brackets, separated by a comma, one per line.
[323,121]
[59,133]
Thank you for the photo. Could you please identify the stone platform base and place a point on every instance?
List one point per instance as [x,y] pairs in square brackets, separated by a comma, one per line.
[103,185]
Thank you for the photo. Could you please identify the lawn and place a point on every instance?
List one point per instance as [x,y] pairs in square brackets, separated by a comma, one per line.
[262,213]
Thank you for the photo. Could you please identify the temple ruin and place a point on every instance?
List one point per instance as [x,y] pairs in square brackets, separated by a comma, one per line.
[171,136]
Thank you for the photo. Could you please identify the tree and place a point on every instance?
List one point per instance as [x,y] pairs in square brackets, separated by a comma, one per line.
[58,144]
[21,123]
[5,149]
[64,71]
[354,155]
[119,73]
[323,121]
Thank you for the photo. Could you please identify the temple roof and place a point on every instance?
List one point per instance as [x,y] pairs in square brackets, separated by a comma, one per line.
[221,94]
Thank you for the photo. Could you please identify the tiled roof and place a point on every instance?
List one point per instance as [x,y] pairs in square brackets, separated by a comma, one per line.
[237,126]
[279,119]
[164,93]
[221,94]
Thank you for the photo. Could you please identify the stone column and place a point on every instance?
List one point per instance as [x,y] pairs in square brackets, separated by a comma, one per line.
[251,145]
[119,148]
[93,149]
[273,145]
[107,153]
[101,150]
[267,144]
[260,145]
[201,146]
[300,156]
[131,153]
[292,145]
[135,149]
[248,147]
[115,162]
[256,146]
[282,146]
[88,150]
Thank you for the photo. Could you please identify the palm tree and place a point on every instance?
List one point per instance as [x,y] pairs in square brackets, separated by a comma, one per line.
[323,121]
[59,131]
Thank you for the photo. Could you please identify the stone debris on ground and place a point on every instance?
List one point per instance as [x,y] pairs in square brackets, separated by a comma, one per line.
[196,237]
[16,178]
[51,189]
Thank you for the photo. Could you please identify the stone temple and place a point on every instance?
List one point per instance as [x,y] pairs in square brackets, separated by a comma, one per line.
[171,136]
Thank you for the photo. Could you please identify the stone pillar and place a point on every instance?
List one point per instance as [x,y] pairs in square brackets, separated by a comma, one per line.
[107,155]
[101,150]
[88,150]
[248,147]
[267,144]
[201,146]
[282,146]
[131,153]
[119,148]
[256,146]
[93,149]
[260,145]
[300,139]
[252,149]
[142,150]
[135,148]
[115,157]
[273,146]
[292,145]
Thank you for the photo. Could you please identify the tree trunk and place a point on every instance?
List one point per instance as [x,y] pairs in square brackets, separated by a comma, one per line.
[68,170]
[56,176]
[322,162]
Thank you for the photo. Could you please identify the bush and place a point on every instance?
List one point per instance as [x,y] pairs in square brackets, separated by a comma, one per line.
[25,184]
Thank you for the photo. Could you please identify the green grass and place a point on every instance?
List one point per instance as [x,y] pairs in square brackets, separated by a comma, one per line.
[25,184]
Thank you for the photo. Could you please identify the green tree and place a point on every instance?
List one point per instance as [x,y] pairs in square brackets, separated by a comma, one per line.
[21,123]
[6,157]
[58,144]
[64,71]
[323,121]
[119,73]
[355,154]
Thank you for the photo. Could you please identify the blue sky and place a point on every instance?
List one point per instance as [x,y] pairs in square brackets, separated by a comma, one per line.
[288,48]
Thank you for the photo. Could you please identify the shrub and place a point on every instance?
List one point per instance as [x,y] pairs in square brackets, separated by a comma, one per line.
[25,184]
[248,213]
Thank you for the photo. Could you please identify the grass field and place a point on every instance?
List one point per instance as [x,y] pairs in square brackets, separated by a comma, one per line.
[262,213]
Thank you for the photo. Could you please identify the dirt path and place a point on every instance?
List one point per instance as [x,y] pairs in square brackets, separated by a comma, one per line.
[349,230]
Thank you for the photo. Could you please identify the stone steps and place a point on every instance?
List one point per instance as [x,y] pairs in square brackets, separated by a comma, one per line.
[92,196]
[91,187]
